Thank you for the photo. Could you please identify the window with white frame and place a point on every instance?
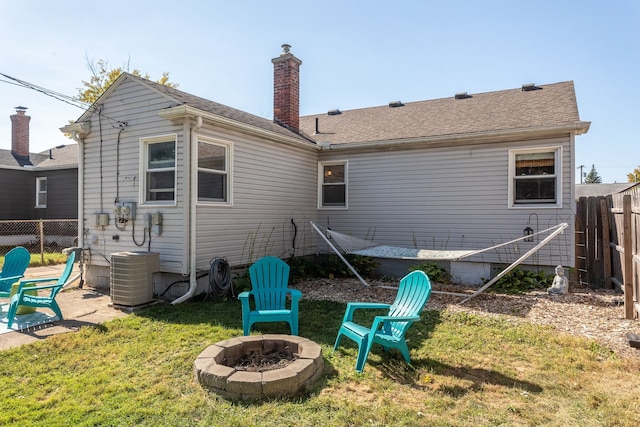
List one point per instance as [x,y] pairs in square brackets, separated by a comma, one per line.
[159,169]
[213,172]
[41,192]
[333,179]
[535,177]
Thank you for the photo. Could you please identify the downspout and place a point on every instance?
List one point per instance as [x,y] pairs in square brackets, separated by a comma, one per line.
[76,137]
[192,197]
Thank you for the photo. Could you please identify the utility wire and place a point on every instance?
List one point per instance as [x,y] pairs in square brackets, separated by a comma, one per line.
[61,97]
[57,95]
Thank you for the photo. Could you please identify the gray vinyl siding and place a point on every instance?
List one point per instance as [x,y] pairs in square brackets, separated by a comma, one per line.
[448,198]
[273,184]
[112,171]
[17,189]
[273,201]
[62,194]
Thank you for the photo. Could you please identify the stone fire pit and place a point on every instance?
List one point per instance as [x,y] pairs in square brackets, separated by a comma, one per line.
[215,367]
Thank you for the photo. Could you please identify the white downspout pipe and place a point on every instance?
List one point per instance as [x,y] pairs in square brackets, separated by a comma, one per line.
[191,153]
[80,141]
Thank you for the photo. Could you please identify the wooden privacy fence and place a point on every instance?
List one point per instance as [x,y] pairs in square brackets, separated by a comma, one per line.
[608,244]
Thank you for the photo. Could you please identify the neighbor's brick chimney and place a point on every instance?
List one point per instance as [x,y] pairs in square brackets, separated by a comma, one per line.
[20,134]
[286,89]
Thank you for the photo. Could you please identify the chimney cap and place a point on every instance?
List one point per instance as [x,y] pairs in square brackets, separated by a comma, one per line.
[286,48]
[20,109]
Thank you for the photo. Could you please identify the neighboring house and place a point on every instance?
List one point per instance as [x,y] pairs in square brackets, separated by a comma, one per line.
[203,180]
[597,190]
[37,185]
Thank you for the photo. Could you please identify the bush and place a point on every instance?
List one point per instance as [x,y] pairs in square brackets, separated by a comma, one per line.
[519,281]
[435,272]
[330,266]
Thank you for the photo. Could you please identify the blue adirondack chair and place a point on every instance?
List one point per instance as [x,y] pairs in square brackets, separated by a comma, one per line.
[388,331]
[23,297]
[267,299]
[15,264]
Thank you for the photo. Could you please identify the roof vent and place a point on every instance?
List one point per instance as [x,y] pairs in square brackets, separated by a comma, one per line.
[335,112]
[394,104]
[529,87]
[462,95]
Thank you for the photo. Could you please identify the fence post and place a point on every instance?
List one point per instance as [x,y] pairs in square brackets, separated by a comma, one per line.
[606,244]
[581,245]
[41,228]
[591,241]
[627,272]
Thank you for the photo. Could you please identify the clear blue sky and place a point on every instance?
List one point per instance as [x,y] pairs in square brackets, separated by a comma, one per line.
[355,54]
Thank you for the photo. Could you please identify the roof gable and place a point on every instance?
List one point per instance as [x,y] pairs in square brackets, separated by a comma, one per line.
[182,98]
[507,110]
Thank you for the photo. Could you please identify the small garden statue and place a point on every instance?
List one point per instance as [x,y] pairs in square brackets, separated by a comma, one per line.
[560,284]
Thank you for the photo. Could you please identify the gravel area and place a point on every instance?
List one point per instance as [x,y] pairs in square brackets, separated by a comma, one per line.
[593,314]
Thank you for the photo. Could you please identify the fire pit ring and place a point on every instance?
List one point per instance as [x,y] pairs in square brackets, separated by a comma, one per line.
[215,367]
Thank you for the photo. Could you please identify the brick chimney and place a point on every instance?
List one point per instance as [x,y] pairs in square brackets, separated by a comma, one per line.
[20,134]
[286,89]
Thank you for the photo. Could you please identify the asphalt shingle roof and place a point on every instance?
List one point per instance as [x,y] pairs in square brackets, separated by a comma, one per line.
[553,104]
[63,155]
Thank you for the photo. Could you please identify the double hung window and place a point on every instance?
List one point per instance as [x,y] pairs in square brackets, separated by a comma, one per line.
[333,183]
[535,177]
[41,192]
[159,170]
[213,172]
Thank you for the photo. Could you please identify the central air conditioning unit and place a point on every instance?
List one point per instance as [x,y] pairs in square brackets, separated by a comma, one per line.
[131,277]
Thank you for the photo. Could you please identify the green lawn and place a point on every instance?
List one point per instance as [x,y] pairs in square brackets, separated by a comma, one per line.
[467,371]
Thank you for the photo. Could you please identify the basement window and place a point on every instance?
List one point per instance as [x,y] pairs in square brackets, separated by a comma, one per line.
[333,184]
[159,170]
[213,172]
[41,192]
[535,177]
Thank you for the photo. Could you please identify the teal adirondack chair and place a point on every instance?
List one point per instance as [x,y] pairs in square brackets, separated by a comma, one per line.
[15,264]
[267,300]
[389,330]
[23,297]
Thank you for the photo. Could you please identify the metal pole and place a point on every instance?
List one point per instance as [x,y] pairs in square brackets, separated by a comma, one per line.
[41,225]
[518,261]
[353,270]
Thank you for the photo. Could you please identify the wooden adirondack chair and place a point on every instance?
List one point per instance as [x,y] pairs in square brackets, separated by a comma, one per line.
[15,264]
[268,295]
[389,330]
[46,301]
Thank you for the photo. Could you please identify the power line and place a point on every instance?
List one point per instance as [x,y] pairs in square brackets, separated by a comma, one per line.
[61,97]
[57,95]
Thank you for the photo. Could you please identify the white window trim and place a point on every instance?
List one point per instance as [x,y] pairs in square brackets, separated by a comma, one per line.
[321,166]
[144,156]
[228,167]
[39,180]
[557,149]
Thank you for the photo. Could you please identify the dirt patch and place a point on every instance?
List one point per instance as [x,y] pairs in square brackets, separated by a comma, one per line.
[584,312]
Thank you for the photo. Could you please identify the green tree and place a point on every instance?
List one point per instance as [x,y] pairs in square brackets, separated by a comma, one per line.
[593,177]
[102,76]
[635,175]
